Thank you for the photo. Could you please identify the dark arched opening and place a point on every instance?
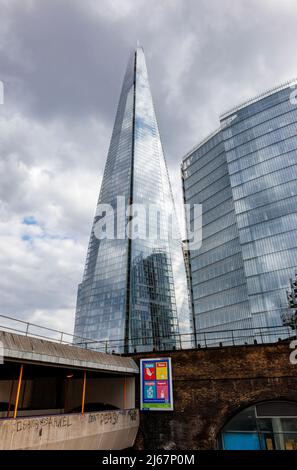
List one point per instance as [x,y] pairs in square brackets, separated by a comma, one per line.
[270,425]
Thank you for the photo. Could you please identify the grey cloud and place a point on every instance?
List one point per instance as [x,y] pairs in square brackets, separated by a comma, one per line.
[68,61]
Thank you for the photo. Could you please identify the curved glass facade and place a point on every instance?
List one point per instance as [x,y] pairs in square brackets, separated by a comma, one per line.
[134,289]
[254,202]
[219,287]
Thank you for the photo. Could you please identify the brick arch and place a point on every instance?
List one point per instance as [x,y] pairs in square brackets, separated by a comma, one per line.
[227,415]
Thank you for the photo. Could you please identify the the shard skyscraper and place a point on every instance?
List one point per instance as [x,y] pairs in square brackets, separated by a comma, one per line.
[134,290]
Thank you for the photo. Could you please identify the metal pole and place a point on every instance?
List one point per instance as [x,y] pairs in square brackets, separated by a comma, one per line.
[18,392]
[83,393]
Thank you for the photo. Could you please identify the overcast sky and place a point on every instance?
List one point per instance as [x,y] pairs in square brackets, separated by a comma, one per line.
[62,64]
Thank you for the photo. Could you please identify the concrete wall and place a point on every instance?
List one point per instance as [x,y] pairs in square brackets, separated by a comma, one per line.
[210,386]
[103,430]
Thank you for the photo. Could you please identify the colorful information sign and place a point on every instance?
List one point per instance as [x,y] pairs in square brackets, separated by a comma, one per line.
[156,384]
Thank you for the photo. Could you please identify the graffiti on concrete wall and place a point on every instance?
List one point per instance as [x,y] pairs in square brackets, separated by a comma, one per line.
[40,423]
[104,418]
[65,421]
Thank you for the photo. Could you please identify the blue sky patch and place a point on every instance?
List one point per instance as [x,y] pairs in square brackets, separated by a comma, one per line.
[30,220]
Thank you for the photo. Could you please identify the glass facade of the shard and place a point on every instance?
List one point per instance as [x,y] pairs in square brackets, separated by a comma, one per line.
[134,289]
[245,178]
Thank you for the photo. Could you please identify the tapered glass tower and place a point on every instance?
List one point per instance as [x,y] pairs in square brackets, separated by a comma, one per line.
[134,289]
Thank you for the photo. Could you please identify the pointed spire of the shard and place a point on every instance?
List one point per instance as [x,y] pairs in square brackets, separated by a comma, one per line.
[134,288]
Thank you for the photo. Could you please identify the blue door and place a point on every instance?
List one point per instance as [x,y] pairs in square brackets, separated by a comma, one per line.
[241,441]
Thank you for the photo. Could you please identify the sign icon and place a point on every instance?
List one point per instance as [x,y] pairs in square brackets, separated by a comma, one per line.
[162,391]
[162,370]
[149,371]
[149,390]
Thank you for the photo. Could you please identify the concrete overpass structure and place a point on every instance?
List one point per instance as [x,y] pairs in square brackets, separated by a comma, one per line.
[58,396]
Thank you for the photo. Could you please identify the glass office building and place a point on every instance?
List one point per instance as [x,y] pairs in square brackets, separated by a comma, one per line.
[244,175]
[134,289]
[219,287]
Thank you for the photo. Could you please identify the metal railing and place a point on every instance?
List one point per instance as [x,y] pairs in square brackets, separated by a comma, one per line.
[15,325]
[202,339]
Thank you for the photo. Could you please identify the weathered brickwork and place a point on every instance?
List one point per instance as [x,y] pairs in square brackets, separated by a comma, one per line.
[210,386]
